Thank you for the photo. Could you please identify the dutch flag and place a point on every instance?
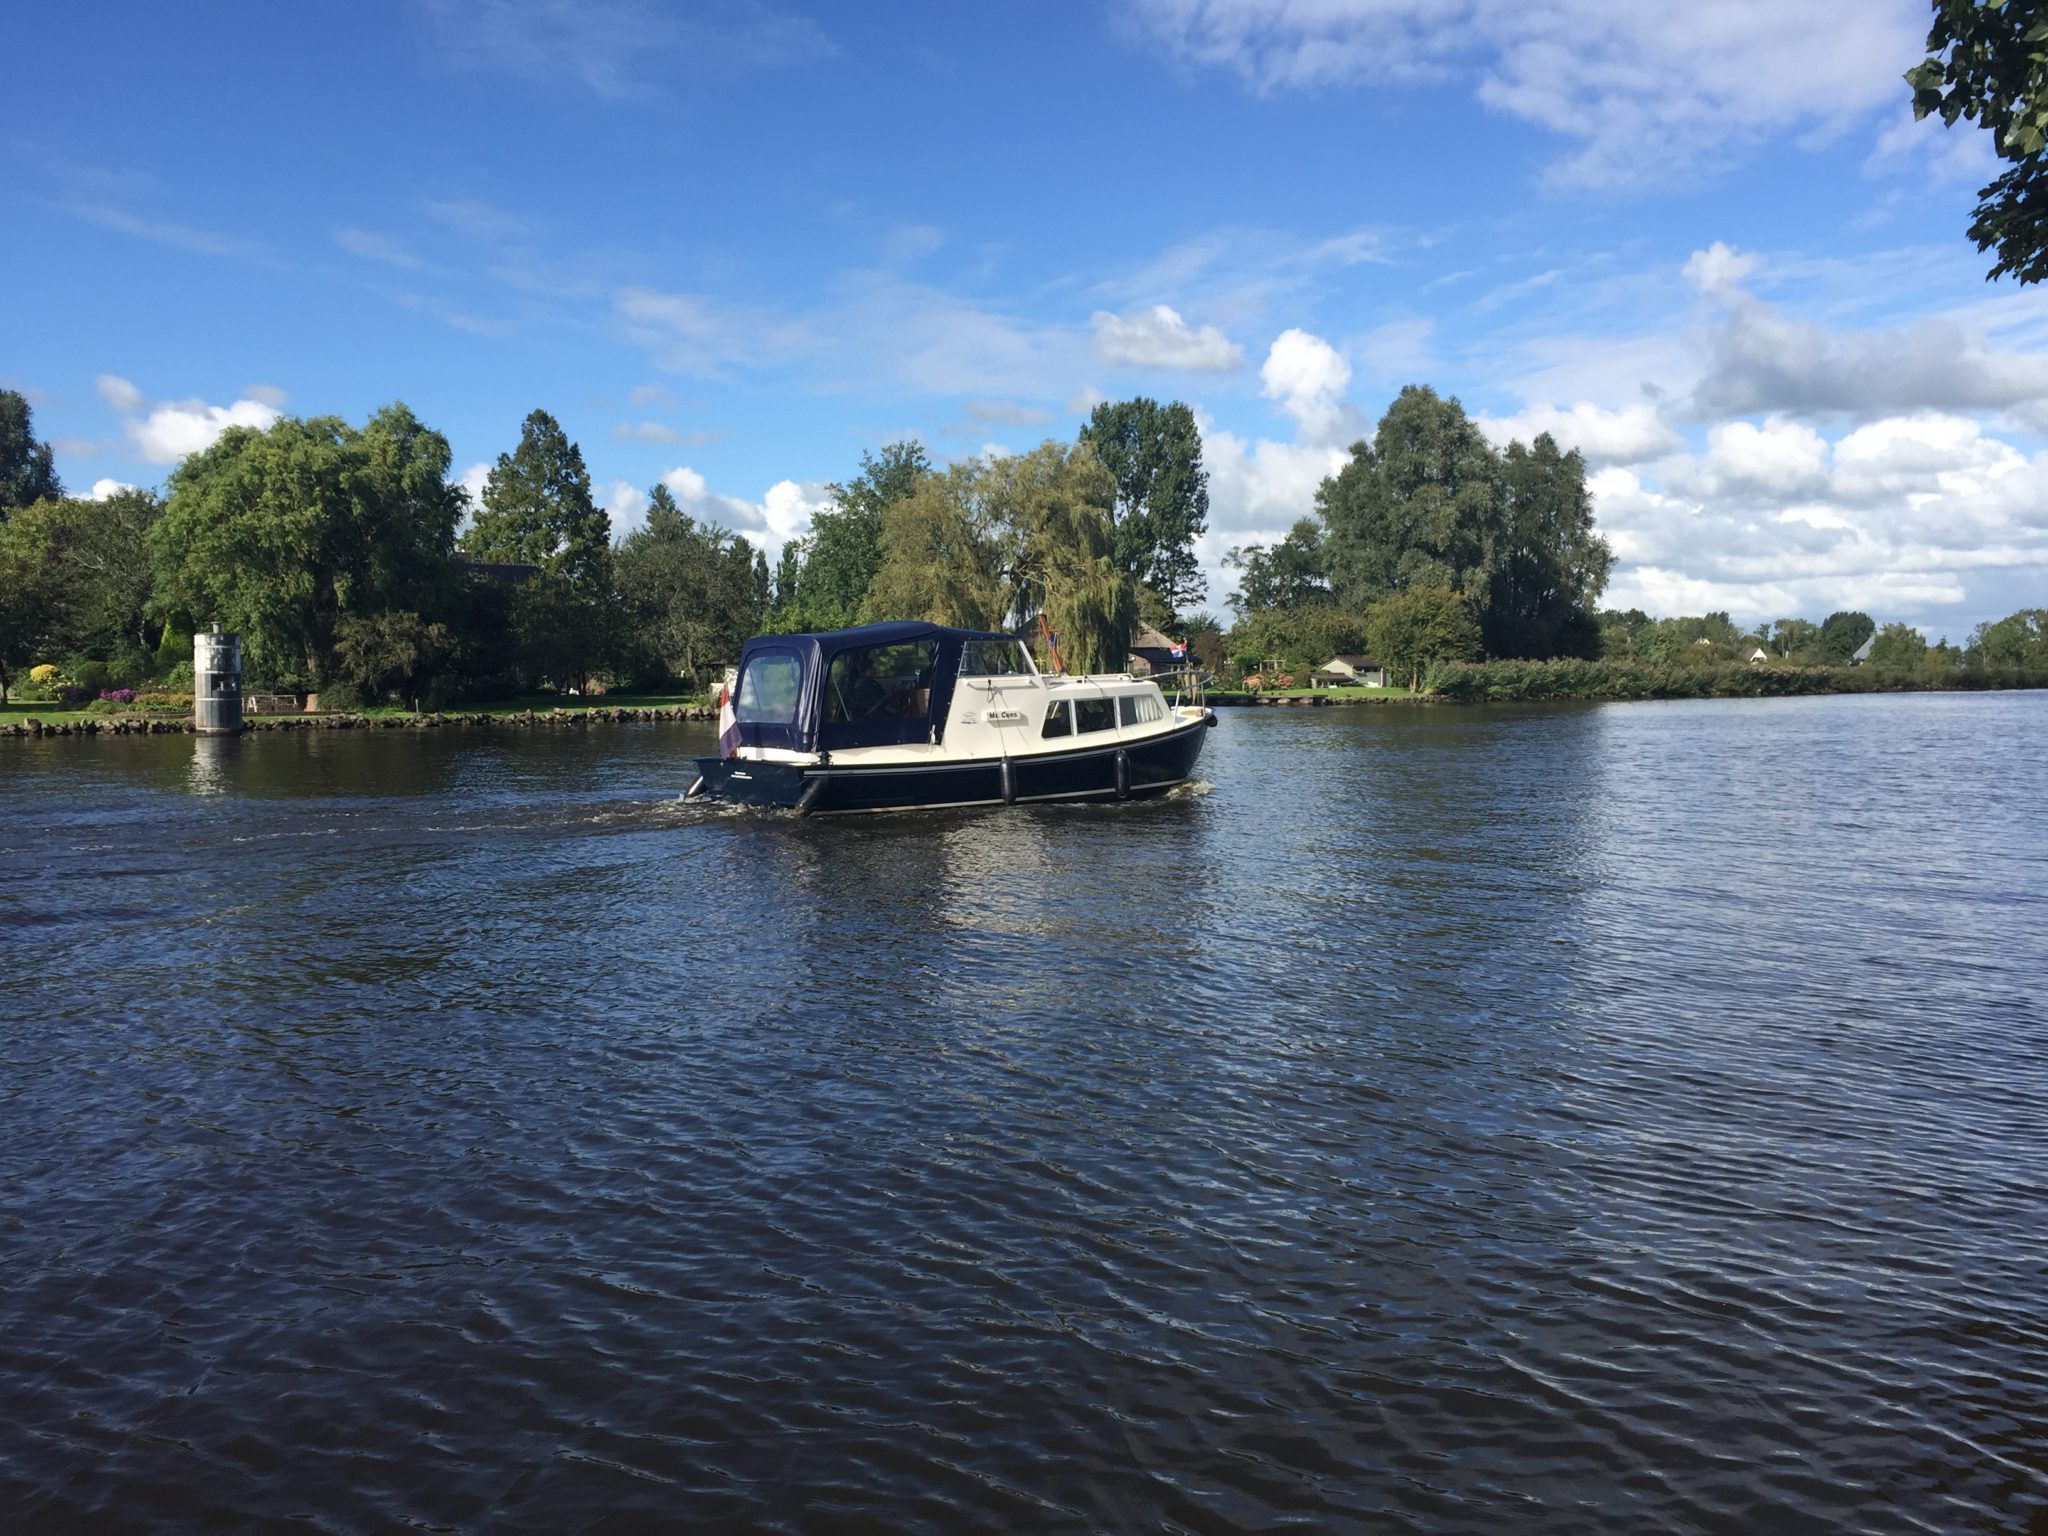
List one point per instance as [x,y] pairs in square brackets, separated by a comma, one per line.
[1180,650]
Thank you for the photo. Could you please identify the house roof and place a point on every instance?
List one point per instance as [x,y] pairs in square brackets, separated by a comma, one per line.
[506,573]
[1862,652]
[1355,661]
[1149,639]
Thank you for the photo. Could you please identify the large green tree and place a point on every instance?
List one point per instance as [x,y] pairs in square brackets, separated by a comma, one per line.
[2017,640]
[31,599]
[691,592]
[1292,573]
[392,652]
[826,586]
[28,472]
[1624,632]
[538,510]
[1550,564]
[1154,454]
[1795,637]
[97,555]
[1429,503]
[1843,632]
[1412,629]
[1898,646]
[283,533]
[1418,506]
[1987,62]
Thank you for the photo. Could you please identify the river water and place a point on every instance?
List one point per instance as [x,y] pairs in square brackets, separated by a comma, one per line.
[1595,1119]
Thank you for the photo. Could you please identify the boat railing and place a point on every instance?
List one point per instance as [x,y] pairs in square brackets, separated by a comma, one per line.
[1186,684]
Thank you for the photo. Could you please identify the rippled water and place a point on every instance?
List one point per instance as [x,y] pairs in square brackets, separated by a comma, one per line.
[1605,1119]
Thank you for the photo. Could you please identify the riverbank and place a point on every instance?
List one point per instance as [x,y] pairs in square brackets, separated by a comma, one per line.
[516,716]
[1317,698]
[1486,682]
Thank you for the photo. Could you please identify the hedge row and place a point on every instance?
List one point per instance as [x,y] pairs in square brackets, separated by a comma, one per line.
[1480,681]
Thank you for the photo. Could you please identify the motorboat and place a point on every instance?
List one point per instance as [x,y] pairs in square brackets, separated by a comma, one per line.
[891,717]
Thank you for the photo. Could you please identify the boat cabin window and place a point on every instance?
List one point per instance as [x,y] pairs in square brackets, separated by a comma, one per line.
[1094,714]
[881,682]
[768,690]
[1138,709]
[993,658]
[1057,721]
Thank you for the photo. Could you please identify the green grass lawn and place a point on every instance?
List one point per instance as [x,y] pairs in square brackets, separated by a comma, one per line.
[541,703]
[14,713]
[1335,695]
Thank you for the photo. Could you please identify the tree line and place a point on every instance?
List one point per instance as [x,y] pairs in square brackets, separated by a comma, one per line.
[352,566]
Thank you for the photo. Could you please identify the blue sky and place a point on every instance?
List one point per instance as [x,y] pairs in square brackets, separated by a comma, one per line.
[733,245]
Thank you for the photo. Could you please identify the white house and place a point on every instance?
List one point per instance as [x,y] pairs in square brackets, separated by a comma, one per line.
[1357,671]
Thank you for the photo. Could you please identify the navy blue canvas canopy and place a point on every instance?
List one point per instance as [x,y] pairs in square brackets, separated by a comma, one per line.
[782,698]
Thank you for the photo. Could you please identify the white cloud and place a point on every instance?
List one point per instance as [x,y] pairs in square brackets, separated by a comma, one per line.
[472,482]
[1762,360]
[1258,489]
[1926,519]
[119,393]
[268,394]
[1720,269]
[1399,349]
[174,429]
[1643,90]
[1634,434]
[783,513]
[102,489]
[1159,338]
[697,498]
[1929,149]
[614,47]
[692,334]
[788,508]
[661,432]
[473,216]
[627,505]
[178,236]
[166,433]
[1308,377]
[381,248]
[652,397]
[1006,413]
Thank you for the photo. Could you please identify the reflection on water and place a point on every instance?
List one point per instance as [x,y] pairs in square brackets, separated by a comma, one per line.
[215,760]
[1589,1119]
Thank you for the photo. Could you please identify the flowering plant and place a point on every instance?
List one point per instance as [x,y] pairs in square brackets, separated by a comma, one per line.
[118,695]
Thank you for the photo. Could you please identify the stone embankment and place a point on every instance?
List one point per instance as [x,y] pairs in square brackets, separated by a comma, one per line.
[136,725]
[1299,701]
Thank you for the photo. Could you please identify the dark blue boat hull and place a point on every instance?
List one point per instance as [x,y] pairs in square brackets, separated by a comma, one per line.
[1120,769]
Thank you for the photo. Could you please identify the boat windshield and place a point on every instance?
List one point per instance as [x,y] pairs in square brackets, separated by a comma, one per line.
[880,682]
[768,690]
[993,658]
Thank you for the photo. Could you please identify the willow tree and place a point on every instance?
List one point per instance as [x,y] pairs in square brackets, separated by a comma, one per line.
[1065,564]
[942,554]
